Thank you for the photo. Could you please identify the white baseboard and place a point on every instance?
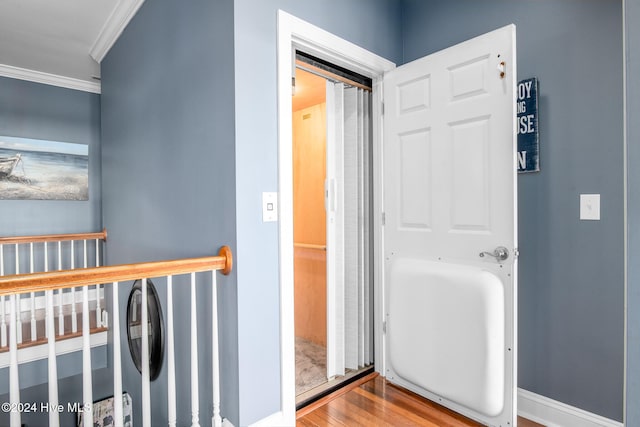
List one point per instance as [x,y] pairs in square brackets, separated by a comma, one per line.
[552,413]
[274,420]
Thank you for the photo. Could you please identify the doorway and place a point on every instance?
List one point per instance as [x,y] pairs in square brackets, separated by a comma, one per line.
[480,67]
[294,33]
[332,226]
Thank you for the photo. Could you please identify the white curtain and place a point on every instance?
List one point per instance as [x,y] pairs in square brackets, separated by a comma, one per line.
[350,331]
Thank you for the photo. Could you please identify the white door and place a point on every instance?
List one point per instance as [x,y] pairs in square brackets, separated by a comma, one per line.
[450,240]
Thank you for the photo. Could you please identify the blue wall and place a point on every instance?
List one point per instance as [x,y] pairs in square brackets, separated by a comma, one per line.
[370,24]
[38,111]
[632,40]
[189,102]
[571,285]
[168,175]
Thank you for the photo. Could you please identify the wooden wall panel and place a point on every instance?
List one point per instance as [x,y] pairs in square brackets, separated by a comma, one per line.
[309,171]
[310,278]
[309,223]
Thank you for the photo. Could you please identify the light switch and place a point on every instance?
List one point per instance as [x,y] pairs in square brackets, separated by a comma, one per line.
[269,207]
[590,207]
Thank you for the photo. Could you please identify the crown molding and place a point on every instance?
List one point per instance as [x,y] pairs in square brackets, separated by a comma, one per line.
[49,79]
[124,11]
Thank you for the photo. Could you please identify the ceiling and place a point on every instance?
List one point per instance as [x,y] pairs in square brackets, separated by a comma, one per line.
[60,39]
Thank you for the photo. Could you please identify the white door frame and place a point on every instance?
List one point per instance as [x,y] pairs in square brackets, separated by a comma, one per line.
[292,32]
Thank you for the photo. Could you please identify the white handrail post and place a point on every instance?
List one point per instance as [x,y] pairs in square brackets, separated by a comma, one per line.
[216,420]
[98,287]
[14,380]
[144,358]
[117,360]
[54,416]
[47,320]
[74,315]
[33,297]
[31,268]
[3,322]
[87,389]
[195,398]
[171,363]
[17,311]
[60,295]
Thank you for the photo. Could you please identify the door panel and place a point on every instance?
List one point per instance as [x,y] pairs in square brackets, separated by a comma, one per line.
[450,195]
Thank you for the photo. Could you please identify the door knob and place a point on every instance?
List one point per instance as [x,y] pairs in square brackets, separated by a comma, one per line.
[500,253]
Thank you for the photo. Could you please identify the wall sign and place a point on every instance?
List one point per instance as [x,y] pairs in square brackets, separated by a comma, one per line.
[527,126]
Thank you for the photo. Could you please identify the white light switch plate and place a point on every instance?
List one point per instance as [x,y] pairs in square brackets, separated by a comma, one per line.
[590,207]
[269,207]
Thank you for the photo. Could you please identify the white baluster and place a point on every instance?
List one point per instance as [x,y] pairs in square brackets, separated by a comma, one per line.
[31,268]
[84,256]
[3,323]
[46,321]
[74,316]
[98,288]
[195,398]
[144,358]
[171,363]
[17,312]
[97,252]
[33,297]
[117,360]
[216,420]
[60,295]
[87,390]
[14,381]
[54,416]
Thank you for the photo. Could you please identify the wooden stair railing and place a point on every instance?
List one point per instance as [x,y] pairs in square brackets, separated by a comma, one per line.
[13,240]
[40,253]
[17,284]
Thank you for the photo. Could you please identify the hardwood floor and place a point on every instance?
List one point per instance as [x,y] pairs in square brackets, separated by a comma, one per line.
[372,401]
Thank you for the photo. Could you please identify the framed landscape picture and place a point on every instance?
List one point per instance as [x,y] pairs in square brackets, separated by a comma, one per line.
[32,169]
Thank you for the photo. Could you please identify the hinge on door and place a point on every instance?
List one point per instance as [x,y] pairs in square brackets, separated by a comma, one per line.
[384,218]
[382,108]
[384,327]
[516,253]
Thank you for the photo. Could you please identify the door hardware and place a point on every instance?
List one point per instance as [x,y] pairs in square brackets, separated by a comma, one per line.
[500,253]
